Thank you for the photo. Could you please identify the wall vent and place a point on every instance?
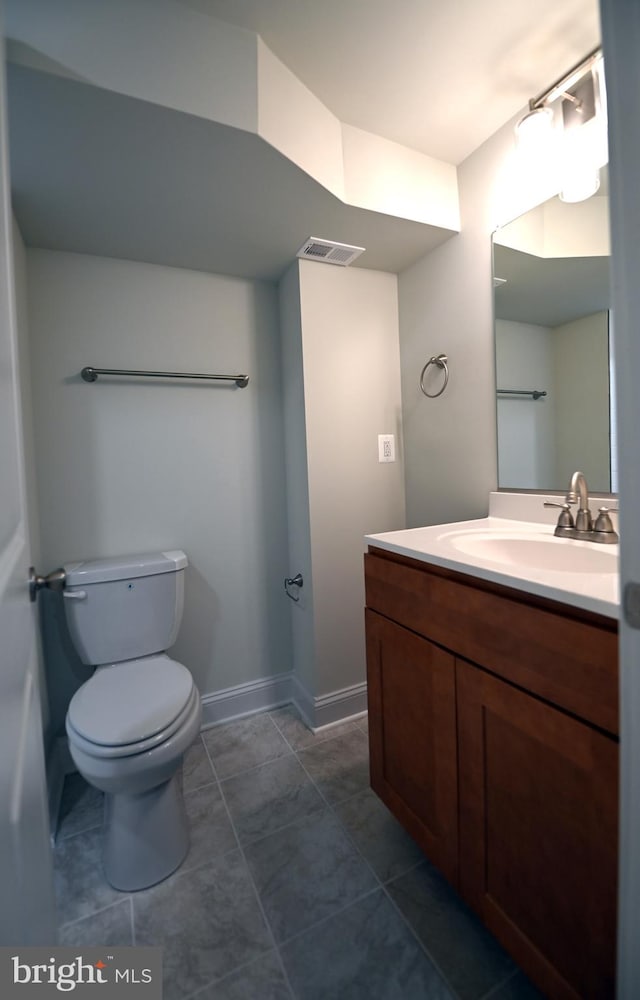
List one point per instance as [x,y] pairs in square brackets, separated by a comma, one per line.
[329,251]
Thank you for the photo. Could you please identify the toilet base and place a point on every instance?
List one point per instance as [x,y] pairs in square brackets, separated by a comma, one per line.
[146,836]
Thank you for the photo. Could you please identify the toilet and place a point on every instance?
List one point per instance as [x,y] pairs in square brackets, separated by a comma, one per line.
[130,724]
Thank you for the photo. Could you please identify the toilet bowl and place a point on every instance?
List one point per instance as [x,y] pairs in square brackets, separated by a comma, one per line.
[130,724]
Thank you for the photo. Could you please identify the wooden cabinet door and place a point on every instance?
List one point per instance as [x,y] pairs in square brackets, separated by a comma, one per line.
[538,833]
[412,736]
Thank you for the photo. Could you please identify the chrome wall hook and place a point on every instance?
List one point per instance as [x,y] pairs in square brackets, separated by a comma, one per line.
[293,581]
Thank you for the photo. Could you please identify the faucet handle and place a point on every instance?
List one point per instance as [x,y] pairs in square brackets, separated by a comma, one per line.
[603,521]
[565,519]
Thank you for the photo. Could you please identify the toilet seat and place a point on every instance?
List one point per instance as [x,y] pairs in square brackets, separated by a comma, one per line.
[99,750]
[128,707]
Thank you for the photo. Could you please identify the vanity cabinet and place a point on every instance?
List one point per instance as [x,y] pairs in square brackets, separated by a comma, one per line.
[412,698]
[493,739]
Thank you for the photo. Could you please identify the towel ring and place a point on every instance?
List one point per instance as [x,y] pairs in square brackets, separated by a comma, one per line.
[441,362]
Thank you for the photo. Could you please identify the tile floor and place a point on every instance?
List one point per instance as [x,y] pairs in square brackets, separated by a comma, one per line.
[299,884]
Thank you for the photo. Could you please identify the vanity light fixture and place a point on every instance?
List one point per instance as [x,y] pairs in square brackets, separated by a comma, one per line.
[578,123]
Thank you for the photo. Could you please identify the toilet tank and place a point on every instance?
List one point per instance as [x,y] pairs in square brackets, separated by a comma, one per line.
[125,607]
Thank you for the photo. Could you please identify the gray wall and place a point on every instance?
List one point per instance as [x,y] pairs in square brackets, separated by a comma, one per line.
[526,427]
[581,365]
[128,466]
[352,394]
[297,482]
[446,306]
[24,370]
[344,370]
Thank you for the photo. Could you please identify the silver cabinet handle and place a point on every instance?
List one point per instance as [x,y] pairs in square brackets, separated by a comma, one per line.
[75,595]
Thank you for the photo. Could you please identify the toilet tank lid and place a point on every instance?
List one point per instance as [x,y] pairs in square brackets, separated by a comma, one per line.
[123,567]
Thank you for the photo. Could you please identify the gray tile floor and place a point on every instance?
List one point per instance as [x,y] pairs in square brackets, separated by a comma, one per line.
[299,884]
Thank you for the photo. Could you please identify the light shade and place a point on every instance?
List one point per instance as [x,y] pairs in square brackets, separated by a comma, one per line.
[580,184]
[535,128]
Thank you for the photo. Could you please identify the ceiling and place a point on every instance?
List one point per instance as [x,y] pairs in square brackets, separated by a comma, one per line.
[130,179]
[439,76]
[549,291]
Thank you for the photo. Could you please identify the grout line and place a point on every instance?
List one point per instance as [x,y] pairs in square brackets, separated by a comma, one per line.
[382,885]
[319,741]
[379,885]
[420,943]
[62,839]
[223,979]
[330,916]
[498,986]
[332,807]
[101,909]
[256,767]
[213,766]
[228,975]
[247,770]
[407,871]
[312,811]
[267,922]
[198,788]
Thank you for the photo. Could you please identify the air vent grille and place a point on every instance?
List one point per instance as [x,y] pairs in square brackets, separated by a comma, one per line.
[329,251]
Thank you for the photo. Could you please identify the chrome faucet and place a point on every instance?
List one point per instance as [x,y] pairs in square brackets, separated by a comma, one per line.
[583,528]
[578,491]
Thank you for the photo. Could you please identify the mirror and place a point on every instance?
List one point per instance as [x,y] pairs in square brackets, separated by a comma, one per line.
[552,339]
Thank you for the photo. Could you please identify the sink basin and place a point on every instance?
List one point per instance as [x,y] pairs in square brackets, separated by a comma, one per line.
[536,552]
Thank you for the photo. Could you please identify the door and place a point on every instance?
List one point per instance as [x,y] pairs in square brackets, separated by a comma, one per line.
[26,896]
[621,42]
[412,736]
[538,833]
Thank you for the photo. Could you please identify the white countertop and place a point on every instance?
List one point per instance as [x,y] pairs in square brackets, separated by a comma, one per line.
[439,545]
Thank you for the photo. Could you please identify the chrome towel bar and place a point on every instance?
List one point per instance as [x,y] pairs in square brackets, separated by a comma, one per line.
[91,375]
[534,393]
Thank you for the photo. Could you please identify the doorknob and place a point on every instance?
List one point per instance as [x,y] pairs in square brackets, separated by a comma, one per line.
[53,581]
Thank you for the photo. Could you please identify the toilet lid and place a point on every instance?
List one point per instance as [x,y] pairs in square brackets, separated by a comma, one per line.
[128,702]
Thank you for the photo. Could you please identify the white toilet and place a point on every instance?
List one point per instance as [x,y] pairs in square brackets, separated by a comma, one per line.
[131,722]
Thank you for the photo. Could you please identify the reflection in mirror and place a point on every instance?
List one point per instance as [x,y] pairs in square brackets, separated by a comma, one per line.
[552,329]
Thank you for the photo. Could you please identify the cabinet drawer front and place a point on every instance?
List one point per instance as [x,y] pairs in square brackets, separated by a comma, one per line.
[572,663]
[538,833]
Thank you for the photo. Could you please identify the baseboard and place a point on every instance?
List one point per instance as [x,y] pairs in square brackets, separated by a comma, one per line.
[304,702]
[329,709]
[59,765]
[283,689]
[340,705]
[245,699]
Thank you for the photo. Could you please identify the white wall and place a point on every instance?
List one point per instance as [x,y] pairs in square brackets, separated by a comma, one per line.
[526,427]
[131,466]
[342,389]
[581,366]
